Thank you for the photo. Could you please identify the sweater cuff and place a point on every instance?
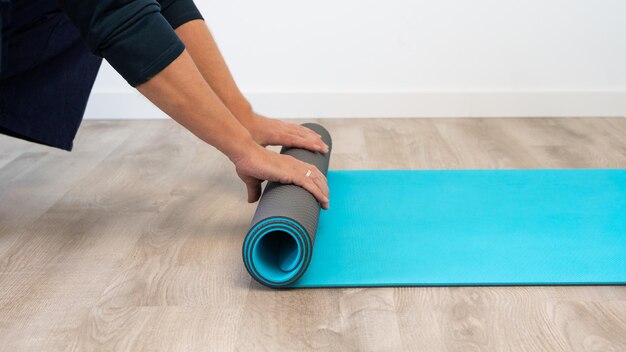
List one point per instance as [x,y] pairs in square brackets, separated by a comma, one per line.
[143,49]
[158,65]
[179,12]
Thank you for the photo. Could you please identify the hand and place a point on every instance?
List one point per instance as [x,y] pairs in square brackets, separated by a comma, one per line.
[266,131]
[260,164]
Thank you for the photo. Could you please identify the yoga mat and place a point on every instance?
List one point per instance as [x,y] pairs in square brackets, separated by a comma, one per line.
[445,228]
[279,244]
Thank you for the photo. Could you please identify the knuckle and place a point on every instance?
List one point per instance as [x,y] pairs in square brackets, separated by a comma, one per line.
[285,178]
[298,182]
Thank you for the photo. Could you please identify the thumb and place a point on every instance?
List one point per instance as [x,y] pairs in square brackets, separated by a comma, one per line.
[254,189]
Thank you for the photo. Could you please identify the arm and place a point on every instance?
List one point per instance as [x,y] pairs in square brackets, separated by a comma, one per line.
[212,66]
[180,91]
[142,46]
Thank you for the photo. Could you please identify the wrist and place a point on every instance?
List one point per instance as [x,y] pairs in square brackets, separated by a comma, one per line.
[260,128]
[242,149]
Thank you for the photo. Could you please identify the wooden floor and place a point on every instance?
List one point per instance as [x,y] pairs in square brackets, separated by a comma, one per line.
[133,243]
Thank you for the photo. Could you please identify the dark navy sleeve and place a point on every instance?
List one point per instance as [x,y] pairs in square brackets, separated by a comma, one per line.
[132,35]
[179,12]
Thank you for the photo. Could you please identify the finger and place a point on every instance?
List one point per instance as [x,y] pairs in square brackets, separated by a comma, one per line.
[311,131]
[319,182]
[254,190]
[308,184]
[318,141]
[311,140]
[311,143]
[323,183]
[319,179]
[321,146]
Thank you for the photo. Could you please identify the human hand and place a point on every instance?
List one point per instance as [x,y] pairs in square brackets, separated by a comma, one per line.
[266,131]
[259,164]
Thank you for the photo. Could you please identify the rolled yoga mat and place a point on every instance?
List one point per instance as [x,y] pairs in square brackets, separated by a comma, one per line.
[442,228]
[279,244]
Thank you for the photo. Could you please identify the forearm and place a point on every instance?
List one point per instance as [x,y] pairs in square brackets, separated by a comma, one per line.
[207,57]
[180,91]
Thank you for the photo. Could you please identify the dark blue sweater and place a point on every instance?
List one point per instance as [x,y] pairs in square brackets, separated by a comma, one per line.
[48,66]
[135,36]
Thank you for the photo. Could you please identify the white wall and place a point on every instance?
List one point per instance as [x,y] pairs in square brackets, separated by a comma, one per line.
[330,58]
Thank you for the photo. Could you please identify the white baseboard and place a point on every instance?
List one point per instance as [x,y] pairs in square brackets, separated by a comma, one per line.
[131,105]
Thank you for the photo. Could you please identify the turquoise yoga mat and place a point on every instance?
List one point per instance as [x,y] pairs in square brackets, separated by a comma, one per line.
[442,228]
[496,227]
